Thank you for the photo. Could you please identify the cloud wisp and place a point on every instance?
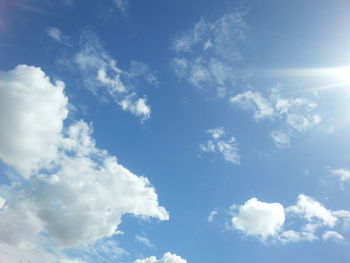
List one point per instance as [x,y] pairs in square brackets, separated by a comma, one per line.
[227,146]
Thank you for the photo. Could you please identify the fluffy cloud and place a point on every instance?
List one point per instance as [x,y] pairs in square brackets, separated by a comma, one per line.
[256,218]
[206,54]
[268,221]
[77,200]
[103,77]
[32,110]
[296,114]
[311,210]
[167,258]
[228,147]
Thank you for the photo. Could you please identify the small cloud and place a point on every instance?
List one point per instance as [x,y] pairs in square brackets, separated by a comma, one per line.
[167,258]
[212,215]
[281,139]
[144,240]
[227,147]
[56,34]
[342,174]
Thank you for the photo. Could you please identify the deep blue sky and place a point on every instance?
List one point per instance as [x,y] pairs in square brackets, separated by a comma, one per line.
[298,48]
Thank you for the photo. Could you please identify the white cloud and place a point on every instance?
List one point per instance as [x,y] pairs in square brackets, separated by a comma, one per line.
[206,54]
[228,147]
[296,114]
[332,235]
[76,201]
[32,110]
[167,258]
[268,221]
[281,139]
[342,174]
[254,101]
[212,215]
[256,218]
[217,132]
[103,77]
[311,210]
[144,240]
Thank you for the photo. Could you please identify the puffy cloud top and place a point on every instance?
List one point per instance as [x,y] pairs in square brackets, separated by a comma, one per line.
[32,110]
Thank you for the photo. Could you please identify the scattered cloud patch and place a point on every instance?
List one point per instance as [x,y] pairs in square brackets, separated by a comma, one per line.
[206,55]
[268,221]
[225,145]
[281,139]
[167,258]
[297,115]
[103,77]
[72,194]
[56,34]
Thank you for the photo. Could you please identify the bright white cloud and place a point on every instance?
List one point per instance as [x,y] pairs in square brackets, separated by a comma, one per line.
[332,235]
[256,218]
[227,147]
[268,221]
[76,201]
[32,110]
[206,54]
[167,258]
[103,77]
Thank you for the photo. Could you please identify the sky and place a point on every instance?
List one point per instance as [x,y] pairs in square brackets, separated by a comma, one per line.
[174,131]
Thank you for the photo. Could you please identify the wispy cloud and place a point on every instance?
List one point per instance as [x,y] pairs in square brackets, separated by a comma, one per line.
[103,76]
[297,115]
[227,146]
[207,54]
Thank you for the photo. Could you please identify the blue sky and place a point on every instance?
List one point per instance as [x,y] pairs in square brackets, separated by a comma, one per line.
[174,131]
